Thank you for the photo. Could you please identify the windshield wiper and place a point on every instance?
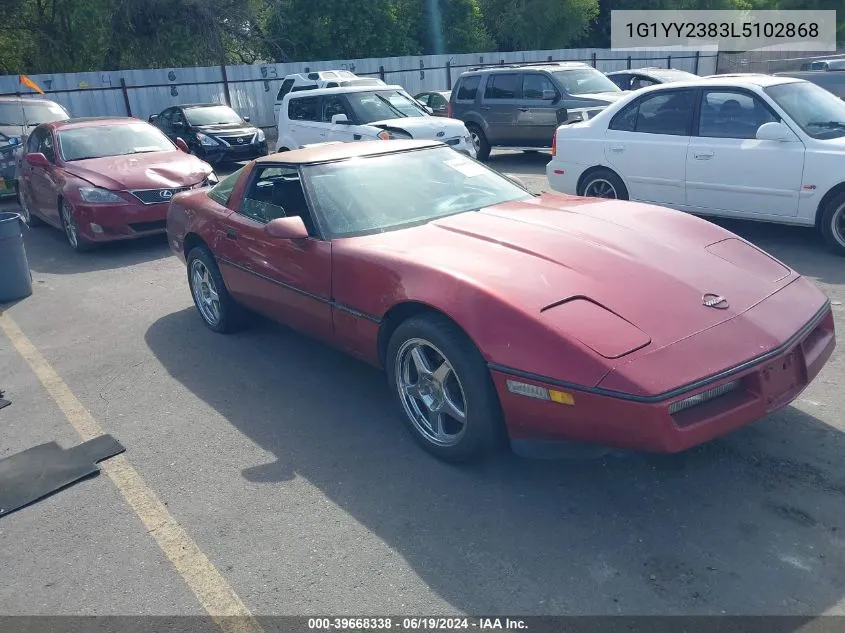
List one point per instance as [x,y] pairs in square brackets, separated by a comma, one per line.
[828,124]
[392,107]
[70,160]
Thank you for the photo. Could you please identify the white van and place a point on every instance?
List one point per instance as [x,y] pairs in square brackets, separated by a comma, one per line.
[359,113]
[320,79]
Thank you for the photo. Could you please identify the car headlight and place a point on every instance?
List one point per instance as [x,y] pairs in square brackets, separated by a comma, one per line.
[98,195]
[207,141]
[261,137]
[387,135]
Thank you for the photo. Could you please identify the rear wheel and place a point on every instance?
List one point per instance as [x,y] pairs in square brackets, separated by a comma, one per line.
[444,389]
[71,228]
[218,310]
[832,224]
[479,141]
[25,211]
[603,183]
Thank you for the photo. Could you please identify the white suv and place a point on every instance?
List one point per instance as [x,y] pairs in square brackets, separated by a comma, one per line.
[753,147]
[363,113]
[320,79]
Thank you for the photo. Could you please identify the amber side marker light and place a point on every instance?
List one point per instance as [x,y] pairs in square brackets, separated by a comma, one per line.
[540,393]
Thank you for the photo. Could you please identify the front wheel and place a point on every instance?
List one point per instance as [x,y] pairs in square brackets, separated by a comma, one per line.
[603,183]
[218,310]
[832,224]
[71,228]
[444,389]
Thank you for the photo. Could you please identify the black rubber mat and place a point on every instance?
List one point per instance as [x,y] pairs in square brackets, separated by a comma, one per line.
[42,470]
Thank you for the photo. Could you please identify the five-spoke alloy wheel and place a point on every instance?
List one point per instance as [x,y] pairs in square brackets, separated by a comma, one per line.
[444,389]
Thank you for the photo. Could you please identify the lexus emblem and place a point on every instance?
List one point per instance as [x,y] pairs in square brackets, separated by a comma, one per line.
[717,302]
[165,194]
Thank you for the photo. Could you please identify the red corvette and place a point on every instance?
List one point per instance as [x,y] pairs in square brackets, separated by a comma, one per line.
[498,314]
[104,179]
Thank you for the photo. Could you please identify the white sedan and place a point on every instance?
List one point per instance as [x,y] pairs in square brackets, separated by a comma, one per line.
[754,147]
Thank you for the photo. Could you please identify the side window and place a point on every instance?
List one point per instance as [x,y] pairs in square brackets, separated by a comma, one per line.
[437,102]
[222,191]
[46,146]
[468,88]
[626,119]
[731,114]
[423,99]
[638,82]
[287,84]
[533,85]
[334,105]
[35,140]
[620,80]
[665,113]
[276,192]
[504,86]
[304,109]
[176,116]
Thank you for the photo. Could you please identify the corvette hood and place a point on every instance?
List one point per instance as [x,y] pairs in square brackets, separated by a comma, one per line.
[650,266]
[425,127]
[156,170]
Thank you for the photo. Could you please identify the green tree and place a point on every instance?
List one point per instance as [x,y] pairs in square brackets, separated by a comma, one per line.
[537,24]
[449,26]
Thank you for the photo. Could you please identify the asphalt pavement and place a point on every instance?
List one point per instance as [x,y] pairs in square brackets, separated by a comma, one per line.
[285,464]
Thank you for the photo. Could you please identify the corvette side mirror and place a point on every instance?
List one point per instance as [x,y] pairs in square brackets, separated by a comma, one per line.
[291,228]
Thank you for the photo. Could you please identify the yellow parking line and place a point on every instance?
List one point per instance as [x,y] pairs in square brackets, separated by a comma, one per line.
[214,593]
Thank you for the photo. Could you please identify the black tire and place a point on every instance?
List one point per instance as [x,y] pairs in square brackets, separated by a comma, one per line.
[76,241]
[832,224]
[483,430]
[482,147]
[29,218]
[603,178]
[231,316]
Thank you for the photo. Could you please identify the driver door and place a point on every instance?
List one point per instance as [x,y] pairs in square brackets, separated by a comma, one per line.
[289,281]
[42,184]
[344,132]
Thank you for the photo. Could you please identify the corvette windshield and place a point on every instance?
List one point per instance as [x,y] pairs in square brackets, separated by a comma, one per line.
[97,141]
[394,191]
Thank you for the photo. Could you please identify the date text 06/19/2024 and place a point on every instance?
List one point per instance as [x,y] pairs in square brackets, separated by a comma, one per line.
[415,624]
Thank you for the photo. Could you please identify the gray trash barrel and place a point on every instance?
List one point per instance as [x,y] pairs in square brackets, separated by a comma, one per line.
[15,278]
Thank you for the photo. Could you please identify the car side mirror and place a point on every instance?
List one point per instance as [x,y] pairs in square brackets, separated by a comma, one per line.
[562,115]
[36,159]
[340,119]
[549,95]
[773,131]
[153,118]
[290,228]
[181,144]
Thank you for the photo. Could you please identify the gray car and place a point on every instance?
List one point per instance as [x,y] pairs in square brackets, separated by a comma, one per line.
[18,117]
[520,106]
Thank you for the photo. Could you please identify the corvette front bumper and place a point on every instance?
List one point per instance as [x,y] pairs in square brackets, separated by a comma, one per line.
[674,420]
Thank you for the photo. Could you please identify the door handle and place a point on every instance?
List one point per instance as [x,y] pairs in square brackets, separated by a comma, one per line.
[703,155]
[523,109]
[232,235]
[617,148]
